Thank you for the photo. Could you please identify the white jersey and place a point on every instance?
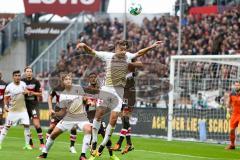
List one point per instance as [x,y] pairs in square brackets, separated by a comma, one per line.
[116,68]
[17,98]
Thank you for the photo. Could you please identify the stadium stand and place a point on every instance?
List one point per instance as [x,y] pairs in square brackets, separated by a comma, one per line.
[221,32]
[4,19]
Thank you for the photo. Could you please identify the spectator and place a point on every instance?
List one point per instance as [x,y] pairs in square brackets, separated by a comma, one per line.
[206,34]
[201,35]
[200,103]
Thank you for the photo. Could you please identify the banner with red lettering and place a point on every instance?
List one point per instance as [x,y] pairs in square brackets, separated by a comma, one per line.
[204,10]
[61,7]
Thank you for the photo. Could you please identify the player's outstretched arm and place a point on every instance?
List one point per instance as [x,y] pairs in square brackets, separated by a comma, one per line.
[145,50]
[132,66]
[86,48]
[137,64]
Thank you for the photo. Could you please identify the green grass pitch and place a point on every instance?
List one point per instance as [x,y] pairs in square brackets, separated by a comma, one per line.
[145,149]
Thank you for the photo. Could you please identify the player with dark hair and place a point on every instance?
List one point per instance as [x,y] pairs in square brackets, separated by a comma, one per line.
[72,108]
[14,104]
[34,87]
[233,108]
[115,80]
[2,89]
[90,105]
[55,92]
[127,108]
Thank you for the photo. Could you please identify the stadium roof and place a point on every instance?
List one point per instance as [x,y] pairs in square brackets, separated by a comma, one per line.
[149,6]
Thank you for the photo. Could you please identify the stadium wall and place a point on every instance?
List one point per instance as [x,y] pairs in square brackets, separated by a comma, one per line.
[15,59]
[153,122]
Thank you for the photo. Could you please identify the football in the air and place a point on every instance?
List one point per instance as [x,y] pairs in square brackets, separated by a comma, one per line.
[135,9]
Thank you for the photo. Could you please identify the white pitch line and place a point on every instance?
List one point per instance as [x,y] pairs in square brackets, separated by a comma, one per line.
[155,152]
[183,155]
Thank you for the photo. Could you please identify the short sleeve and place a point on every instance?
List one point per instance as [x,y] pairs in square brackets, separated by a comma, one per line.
[130,56]
[63,101]
[104,55]
[52,93]
[7,91]
[63,104]
[38,86]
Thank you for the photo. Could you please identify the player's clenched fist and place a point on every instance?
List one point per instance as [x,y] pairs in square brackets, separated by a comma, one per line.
[80,45]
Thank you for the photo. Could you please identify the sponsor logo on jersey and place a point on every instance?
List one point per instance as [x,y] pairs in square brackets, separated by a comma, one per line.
[31,86]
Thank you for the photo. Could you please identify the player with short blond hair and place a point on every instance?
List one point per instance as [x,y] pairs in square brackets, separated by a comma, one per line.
[71,104]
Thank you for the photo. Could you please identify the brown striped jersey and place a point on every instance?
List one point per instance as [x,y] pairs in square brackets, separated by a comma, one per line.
[116,67]
[72,100]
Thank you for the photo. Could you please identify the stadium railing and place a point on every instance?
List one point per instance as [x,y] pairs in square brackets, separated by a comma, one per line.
[47,60]
[13,31]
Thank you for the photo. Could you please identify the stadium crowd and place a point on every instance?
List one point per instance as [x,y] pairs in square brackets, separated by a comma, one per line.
[202,35]
[3,22]
[4,19]
[216,34]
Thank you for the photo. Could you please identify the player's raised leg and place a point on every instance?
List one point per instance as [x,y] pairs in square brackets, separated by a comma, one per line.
[61,127]
[109,130]
[123,132]
[55,133]
[49,131]
[109,145]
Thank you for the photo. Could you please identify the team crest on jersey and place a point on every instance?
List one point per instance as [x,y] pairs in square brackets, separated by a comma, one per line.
[31,86]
